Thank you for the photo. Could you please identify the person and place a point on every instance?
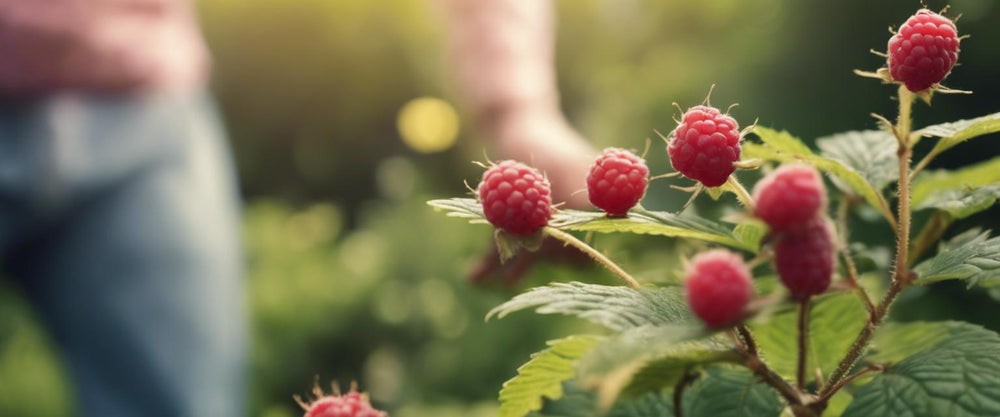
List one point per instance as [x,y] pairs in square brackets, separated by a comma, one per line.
[118,203]
[501,55]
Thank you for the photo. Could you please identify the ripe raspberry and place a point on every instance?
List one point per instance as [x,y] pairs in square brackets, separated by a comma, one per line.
[718,287]
[923,51]
[789,197]
[617,181]
[516,198]
[351,404]
[705,145]
[804,258]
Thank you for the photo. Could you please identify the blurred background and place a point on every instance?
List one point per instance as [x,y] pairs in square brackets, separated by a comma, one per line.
[344,123]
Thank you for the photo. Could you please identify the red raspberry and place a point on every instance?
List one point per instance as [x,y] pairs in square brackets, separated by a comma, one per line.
[789,197]
[516,198]
[923,51]
[804,258]
[617,181]
[718,287]
[705,145]
[351,404]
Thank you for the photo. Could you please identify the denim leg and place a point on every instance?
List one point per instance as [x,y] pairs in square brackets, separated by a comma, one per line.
[137,269]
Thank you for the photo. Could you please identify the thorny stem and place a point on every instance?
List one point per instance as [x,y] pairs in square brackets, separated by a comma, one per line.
[687,379]
[901,274]
[741,193]
[753,362]
[593,253]
[800,374]
[843,210]
[847,380]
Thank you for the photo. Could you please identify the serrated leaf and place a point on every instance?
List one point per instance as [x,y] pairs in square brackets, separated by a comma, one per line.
[730,392]
[957,377]
[834,321]
[465,208]
[972,176]
[894,342]
[872,153]
[575,402]
[650,223]
[971,256]
[654,404]
[783,147]
[750,232]
[617,308]
[543,376]
[964,202]
[954,133]
[619,360]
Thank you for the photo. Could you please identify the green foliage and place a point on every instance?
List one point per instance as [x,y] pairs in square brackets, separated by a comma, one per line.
[958,376]
[833,322]
[897,341]
[617,308]
[964,202]
[543,376]
[971,256]
[871,153]
[954,133]
[958,191]
[650,405]
[728,392]
[783,147]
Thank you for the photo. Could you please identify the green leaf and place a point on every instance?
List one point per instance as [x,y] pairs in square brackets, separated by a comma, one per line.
[971,256]
[957,377]
[872,153]
[783,147]
[651,223]
[465,208]
[964,202]
[894,342]
[615,307]
[543,375]
[575,402]
[730,392]
[834,321]
[654,404]
[954,133]
[649,358]
[977,175]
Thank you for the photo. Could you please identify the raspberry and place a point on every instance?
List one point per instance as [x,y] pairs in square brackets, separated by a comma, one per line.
[705,145]
[617,181]
[923,51]
[516,198]
[351,404]
[718,287]
[805,257]
[789,197]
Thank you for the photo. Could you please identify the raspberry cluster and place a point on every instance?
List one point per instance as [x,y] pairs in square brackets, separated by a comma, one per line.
[923,51]
[351,404]
[718,287]
[617,181]
[792,201]
[516,198]
[705,145]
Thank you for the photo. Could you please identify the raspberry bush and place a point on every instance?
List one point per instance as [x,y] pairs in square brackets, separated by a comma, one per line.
[792,318]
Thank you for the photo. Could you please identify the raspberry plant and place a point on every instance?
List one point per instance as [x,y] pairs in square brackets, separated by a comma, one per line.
[712,345]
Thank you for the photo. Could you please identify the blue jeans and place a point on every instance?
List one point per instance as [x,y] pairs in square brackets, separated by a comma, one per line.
[119,217]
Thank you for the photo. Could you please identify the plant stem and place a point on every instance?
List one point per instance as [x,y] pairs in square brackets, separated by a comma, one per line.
[929,235]
[593,253]
[843,210]
[741,193]
[800,375]
[923,163]
[686,380]
[753,362]
[900,275]
[847,380]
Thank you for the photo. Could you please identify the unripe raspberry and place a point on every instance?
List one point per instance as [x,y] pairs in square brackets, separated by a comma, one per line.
[718,287]
[516,198]
[705,145]
[923,51]
[789,197]
[617,181]
[804,258]
[351,404]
